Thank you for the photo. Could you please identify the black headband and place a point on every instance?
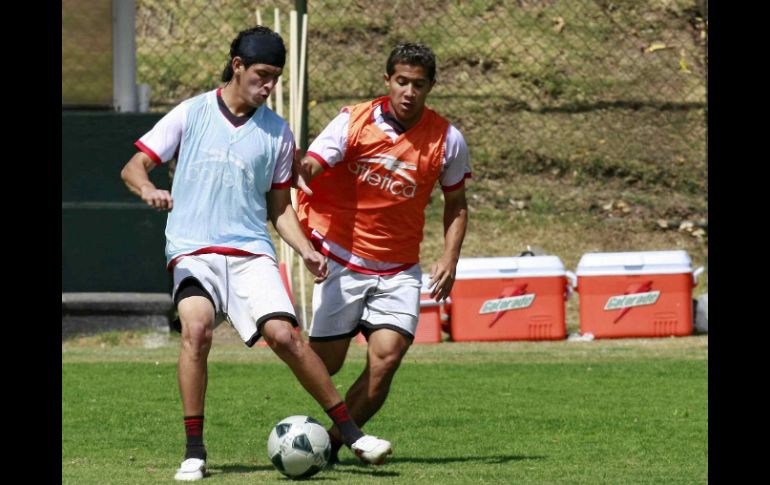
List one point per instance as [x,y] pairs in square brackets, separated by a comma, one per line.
[263,49]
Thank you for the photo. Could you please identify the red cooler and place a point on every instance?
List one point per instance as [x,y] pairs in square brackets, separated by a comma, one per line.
[512,298]
[636,294]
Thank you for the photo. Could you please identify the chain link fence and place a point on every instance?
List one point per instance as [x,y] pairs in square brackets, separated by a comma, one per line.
[86,53]
[591,87]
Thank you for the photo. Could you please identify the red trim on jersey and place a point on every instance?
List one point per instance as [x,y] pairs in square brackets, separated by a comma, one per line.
[225,251]
[147,151]
[458,185]
[281,185]
[319,159]
[354,267]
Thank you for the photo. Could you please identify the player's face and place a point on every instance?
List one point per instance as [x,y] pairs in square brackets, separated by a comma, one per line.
[408,88]
[257,82]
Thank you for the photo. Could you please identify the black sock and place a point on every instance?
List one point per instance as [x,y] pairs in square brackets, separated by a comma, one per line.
[336,445]
[193,427]
[348,428]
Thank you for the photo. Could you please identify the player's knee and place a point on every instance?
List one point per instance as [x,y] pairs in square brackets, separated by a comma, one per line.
[386,364]
[197,335]
[281,338]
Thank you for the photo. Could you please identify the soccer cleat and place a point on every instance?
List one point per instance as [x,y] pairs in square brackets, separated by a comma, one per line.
[371,449]
[191,469]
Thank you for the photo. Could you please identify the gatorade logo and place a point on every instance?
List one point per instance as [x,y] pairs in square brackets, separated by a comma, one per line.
[637,294]
[367,172]
[511,298]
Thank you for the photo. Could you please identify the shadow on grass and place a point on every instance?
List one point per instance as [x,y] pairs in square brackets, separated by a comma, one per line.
[491,459]
[227,469]
[357,468]
[240,469]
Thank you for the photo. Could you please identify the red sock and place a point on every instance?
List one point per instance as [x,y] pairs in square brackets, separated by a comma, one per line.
[193,428]
[348,428]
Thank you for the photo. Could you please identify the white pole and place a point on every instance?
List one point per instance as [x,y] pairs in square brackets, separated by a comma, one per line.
[279,110]
[293,69]
[124,95]
[279,85]
[292,117]
[259,22]
[302,68]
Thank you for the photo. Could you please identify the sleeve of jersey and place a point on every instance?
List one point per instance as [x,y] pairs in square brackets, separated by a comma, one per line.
[282,171]
[162,141]
[457,165]
[329,146]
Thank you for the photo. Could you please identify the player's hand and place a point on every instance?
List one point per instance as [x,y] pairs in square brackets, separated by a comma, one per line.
[315,262]
[298,176]
[442,278]
[157,198]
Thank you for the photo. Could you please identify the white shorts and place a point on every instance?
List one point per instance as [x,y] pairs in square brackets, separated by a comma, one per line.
[247,290]
[348,302]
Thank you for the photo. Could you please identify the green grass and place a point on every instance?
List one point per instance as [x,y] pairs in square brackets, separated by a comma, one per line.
[612,411]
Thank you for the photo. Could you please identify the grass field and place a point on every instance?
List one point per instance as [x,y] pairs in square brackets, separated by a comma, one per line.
[609,411]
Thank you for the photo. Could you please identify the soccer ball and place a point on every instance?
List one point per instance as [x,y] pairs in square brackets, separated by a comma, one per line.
[298,446]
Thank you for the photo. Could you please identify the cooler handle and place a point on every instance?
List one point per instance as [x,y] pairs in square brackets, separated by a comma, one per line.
[433,303]
[696,274]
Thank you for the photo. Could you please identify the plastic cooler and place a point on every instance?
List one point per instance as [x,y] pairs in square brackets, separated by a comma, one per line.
[510,298]
[636,294]
[433,315]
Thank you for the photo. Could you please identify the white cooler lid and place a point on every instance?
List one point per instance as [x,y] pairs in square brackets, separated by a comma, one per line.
[509,267]
[642,262]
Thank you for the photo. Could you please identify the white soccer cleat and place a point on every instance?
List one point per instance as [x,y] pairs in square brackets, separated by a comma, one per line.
[371,449]
[191,469]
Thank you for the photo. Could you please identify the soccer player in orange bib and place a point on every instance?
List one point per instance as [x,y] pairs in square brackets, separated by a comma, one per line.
[365,182]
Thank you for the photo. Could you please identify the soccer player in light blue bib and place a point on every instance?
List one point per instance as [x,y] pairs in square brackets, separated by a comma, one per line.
[234,164]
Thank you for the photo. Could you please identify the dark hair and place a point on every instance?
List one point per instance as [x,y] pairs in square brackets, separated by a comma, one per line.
[255,45]
[414,55]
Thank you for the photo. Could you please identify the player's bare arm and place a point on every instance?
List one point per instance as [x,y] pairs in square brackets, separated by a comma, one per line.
[455,222]
[134,174]
[303,171]
[285,221]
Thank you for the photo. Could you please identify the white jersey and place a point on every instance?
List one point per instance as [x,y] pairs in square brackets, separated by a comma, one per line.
[222,177]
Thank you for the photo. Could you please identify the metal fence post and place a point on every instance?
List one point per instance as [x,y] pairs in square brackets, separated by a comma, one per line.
[301,7]
[124,56]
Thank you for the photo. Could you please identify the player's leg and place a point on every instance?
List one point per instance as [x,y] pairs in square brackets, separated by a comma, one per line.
[310,371]
[331,352]
[389,318]
[369,392]
[384,355]
[195,281]
[196,314]
[259,306]
[303,362]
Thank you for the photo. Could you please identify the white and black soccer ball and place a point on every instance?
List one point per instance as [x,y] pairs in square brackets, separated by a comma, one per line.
[298,446]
